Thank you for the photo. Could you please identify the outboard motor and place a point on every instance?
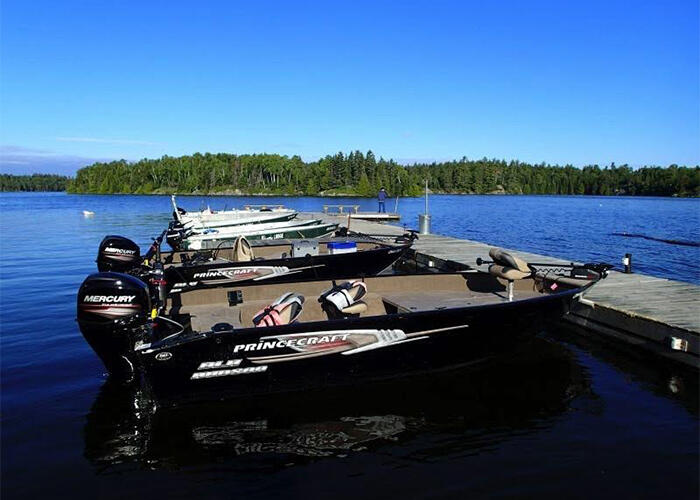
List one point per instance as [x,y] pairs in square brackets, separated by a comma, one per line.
[113,311]
[175,235]
[118,254]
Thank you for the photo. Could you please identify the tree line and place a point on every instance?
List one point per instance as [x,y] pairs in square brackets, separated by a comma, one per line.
[34,182]
[363,174]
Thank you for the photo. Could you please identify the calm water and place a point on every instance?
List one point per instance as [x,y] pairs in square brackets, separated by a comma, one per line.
[562,417]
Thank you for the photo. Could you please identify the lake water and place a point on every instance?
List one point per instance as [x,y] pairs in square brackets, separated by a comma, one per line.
[564,417]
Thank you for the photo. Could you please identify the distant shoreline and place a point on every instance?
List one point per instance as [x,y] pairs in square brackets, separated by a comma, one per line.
[351,195]
[357,174]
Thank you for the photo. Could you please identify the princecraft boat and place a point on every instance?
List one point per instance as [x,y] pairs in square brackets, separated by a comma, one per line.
[246,262]
[269,338]
[187,239]
[221,218]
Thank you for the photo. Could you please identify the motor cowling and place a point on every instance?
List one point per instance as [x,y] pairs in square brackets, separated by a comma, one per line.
[175,235]
[113,308]
[118,254]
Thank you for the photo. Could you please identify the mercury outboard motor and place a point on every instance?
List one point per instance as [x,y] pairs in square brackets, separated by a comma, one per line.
[113,312]
[174,235]
[118,254]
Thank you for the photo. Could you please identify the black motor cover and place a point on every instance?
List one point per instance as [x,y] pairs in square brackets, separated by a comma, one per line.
[175,235]
[117,253]
[112,307]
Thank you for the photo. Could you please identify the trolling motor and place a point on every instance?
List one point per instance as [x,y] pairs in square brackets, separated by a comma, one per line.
[409,236]
[587,271]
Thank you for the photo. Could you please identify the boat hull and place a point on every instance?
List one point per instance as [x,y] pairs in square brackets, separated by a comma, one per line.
[264,218]
[324,266]
[304,356]
[292,232]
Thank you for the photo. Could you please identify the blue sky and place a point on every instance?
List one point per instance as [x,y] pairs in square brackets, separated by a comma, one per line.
[559,82]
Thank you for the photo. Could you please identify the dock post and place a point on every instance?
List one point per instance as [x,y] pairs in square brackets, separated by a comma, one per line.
[627,262]
[424,219]
[424,223]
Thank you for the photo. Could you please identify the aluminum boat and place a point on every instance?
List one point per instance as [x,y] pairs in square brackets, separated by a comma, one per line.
[250,262]
[260,338]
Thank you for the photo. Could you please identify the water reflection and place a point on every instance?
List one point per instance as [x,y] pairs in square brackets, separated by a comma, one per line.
[458,412]
[676,382]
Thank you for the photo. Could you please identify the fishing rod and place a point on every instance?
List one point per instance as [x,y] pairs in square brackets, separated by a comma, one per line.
[410,234]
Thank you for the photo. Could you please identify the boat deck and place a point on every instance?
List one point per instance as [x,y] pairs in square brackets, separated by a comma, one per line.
[385,295]
[203,317]
[659,315]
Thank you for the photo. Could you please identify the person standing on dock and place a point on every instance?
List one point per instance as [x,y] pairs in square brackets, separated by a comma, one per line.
[381,197]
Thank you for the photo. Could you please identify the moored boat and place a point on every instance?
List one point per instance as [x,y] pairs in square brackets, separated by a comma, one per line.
[268,338]
[187,239]
[246,262]
[207,218]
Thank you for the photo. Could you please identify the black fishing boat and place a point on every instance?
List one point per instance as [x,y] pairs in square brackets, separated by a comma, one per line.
[246,262]
[274,338]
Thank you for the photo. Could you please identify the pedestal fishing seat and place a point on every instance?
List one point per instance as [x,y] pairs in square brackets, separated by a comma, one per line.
[283,311]
[509,268]
[343,300]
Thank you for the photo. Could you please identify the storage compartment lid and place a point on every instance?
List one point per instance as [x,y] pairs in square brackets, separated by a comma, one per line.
[342,245]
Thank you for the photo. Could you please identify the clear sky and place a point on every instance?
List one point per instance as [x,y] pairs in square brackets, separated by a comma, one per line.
[559,82]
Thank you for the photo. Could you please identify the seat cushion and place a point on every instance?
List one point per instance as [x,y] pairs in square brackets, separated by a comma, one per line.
[505,259]
[507,272]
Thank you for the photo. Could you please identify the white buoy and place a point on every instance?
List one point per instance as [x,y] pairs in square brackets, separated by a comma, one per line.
[88,213]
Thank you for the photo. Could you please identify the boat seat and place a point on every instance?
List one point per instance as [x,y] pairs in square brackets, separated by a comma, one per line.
[343,300]
[283,311]
[508,267]
[507,273]
[242,251]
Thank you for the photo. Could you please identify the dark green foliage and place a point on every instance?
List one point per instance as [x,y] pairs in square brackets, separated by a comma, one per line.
[362,174]
[35,182]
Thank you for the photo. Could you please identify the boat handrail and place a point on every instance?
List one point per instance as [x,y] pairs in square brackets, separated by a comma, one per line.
[266,205]
[341,208]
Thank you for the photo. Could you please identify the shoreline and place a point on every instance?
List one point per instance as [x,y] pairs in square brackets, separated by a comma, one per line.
[352,195]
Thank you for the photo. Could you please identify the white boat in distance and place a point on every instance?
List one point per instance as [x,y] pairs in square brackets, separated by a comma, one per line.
[209,218]
[188,239]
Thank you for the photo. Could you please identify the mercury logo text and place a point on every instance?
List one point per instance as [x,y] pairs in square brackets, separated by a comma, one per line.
[109,298]
[120,250]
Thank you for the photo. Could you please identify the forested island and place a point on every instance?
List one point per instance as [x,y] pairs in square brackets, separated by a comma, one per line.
[363,174]
[35,182]
[356,174]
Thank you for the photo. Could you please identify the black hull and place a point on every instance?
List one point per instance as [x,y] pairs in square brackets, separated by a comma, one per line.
[222,365]
[183,277]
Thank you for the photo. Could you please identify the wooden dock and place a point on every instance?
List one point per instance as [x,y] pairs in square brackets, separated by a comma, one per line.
[658,315]
[353,211]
